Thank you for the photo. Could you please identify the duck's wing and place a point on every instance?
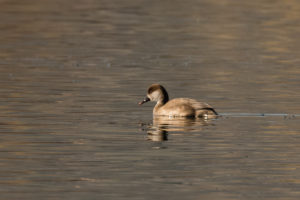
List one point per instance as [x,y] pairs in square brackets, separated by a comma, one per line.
[201,106]
[190,106]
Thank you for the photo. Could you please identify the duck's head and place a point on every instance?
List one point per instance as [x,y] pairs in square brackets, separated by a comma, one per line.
[156,93]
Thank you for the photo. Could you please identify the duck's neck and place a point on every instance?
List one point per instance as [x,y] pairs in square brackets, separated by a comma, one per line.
[162,101]
[164,97]
[158,105]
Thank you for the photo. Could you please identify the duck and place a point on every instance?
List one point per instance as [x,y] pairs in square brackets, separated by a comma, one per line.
[178,107]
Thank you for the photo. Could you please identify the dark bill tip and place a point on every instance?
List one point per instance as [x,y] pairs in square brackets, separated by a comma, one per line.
[144,101]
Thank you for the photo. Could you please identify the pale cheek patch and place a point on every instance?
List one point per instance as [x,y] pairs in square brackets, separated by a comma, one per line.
[155,96]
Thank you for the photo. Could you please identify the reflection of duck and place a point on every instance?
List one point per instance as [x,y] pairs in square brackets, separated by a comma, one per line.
[158,131]
[156,134]
[179,107]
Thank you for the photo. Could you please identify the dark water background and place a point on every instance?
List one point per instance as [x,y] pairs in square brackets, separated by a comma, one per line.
[72,72]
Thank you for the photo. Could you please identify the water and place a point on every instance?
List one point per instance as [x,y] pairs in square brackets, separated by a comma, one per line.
[72,73]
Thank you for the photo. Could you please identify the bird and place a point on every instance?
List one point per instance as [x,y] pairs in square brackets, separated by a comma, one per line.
[178,107]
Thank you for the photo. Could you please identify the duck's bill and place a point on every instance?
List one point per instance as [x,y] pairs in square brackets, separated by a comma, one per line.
[144,101]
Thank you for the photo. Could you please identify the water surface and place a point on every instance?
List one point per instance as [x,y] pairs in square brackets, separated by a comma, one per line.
[72,73]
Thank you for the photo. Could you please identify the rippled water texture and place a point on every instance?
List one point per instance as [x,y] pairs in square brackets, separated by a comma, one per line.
[72,73]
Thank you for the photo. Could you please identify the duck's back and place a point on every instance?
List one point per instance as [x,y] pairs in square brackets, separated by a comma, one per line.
[185,107]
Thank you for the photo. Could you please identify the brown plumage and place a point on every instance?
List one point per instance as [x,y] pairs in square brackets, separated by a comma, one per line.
[179,107]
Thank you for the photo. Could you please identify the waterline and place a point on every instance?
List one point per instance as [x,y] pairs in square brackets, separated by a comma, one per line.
[285,115]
